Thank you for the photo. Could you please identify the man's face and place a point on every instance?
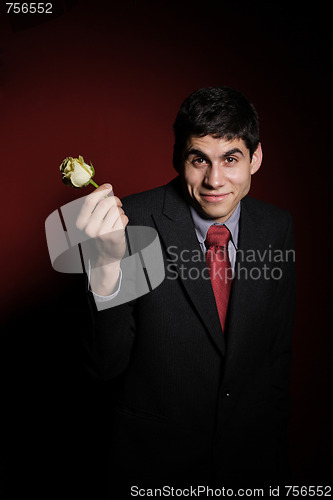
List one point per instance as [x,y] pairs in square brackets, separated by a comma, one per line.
[217,174]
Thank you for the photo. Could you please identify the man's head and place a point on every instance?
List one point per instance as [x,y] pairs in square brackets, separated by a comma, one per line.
[216,149]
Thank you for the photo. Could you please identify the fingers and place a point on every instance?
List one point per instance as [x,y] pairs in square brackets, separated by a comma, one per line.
[90,203]
[104,219]
[96,206]
[102,208]
[116,219]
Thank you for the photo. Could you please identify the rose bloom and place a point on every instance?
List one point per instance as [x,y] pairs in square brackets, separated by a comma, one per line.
[75,172]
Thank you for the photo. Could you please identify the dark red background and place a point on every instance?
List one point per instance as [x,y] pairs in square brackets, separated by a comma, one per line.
[105,80]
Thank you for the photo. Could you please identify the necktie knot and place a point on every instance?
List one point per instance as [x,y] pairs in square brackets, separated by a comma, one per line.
[217,235]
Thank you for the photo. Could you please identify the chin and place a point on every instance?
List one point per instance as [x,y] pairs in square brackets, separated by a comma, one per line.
[211,214]
[217,211]
[219,216]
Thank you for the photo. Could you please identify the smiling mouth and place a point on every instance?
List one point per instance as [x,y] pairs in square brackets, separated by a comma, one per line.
[214,198]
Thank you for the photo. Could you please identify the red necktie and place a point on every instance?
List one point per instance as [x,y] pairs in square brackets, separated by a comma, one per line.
[219,266]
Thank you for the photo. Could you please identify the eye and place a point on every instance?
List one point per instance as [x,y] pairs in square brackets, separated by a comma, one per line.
[199,161]
[230,160]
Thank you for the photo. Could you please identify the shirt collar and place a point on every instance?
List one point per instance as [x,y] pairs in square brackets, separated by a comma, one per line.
[202,225]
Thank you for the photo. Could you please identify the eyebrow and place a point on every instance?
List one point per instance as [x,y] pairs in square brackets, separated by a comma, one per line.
[232,152]
[197,152]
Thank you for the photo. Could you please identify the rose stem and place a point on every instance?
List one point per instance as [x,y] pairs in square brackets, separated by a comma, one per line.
[93,183]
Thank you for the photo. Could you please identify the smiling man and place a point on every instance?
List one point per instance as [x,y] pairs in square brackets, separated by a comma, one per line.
[217,173]
[202,361]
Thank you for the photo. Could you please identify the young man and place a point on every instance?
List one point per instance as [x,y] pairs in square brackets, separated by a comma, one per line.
[203,359]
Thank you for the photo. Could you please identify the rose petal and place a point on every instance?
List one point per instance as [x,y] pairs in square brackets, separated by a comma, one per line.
[90,169]
[67,170]
[64,164]
[80,176]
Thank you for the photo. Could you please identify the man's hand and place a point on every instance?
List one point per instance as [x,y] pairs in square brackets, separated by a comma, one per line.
[103,220]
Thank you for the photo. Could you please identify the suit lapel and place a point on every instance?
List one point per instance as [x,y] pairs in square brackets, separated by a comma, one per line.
[176,229]
[248,295]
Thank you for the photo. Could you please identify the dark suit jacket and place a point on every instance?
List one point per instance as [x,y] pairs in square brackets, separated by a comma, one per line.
[196,406]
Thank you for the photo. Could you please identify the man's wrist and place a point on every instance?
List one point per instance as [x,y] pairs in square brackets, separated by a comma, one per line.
[104,279]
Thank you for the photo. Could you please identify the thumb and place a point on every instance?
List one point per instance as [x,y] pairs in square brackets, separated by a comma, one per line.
[104,187]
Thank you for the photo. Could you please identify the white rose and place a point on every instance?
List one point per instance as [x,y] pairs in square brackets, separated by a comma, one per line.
[77,173]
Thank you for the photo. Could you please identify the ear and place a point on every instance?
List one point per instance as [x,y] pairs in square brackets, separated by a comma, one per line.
[256,159]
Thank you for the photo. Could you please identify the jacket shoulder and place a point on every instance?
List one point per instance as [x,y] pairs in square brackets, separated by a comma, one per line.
[140,206]
[265,212]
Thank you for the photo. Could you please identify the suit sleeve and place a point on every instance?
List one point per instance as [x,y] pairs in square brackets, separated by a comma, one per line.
[111,339]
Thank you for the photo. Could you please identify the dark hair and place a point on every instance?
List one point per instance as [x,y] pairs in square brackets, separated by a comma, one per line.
[218,111]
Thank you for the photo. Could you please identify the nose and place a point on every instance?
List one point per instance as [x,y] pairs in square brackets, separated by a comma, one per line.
[215,176]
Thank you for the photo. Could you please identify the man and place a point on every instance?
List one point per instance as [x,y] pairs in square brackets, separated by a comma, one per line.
[202,360]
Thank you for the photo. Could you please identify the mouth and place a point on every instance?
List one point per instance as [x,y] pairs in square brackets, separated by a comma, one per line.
[214,198]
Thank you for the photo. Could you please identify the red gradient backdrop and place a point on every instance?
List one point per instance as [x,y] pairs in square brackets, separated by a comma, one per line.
[105,80]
